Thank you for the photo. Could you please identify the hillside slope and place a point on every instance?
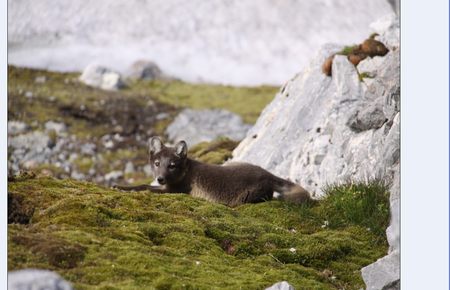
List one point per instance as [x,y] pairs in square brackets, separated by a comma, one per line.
[98,238]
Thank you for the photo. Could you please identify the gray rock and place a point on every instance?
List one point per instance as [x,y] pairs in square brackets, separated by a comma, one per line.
[113,175]
[129,167]
[59,128]
[308,119]
[372,117]
[34,279]
[88,148]
[195,126]
[384,274]
[36,141]
[98,76]
[370,66]
[322,130]
[77,175]
[40,79]
[395,4]
[29,95]
[17,127]
[393,231]
[145,70]
[281,286]
[389,29]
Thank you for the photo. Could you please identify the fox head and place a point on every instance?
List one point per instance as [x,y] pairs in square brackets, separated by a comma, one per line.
[168,163]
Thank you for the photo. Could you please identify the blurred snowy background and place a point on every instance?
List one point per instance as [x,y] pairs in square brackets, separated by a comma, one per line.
[249,42]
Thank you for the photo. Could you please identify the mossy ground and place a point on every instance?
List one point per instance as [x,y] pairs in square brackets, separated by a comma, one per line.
[99,238]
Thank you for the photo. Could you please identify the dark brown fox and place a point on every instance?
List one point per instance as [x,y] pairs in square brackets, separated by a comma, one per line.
[231,184]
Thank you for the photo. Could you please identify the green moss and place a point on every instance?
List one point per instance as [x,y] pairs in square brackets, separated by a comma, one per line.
[364,75]
[99,238]
[245,101]
[348,50]
[215,152]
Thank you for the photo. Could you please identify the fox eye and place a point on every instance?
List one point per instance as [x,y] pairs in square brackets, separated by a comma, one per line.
[156,163]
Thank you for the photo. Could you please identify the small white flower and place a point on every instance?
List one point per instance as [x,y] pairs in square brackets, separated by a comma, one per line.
[325,224]
[197,262]
[292,250]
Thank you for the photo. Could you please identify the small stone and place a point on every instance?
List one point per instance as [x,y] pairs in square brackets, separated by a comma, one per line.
[73,157]
[108,144]
[145,70]
[40,79]
[162,116]
[129,167]
[30,164]
[77,175]
[17,127]
[59,128]
[88,148]
[98,76]
[113,175]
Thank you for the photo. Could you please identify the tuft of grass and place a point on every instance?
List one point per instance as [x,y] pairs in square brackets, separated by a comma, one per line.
[358,203]
[99,238]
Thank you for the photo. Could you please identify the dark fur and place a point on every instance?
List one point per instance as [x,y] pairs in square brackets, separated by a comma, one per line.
[232,184]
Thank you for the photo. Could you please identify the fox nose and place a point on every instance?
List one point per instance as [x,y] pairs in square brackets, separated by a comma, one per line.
[161,180]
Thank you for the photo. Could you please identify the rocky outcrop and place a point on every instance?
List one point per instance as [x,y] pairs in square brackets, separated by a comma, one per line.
[320,130]
[37,280]
[195,126]
[98,76]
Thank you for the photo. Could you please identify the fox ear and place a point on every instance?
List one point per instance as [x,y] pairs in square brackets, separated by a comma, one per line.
[181,149]
[155,145]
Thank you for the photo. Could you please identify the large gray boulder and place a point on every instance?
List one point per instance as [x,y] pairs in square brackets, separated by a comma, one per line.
[322,130]
[195,126]
[34,279]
